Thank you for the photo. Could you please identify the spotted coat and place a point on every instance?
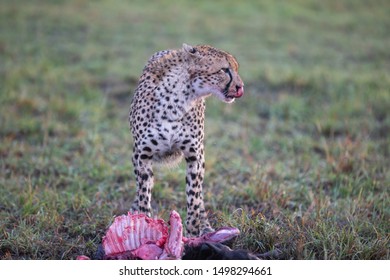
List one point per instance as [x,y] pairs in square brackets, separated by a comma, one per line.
[167,119]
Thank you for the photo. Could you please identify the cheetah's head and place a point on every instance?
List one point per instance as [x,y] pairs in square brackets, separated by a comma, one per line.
[213,71]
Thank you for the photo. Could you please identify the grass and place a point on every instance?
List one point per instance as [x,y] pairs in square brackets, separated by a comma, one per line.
[299,164]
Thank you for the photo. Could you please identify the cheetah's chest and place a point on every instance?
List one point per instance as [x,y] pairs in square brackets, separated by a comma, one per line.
[169,134]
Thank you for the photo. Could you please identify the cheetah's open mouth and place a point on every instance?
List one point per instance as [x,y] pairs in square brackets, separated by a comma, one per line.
[239,92]
[236,94]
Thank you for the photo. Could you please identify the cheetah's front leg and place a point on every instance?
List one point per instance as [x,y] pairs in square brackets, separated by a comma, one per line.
[196,223]
[144,180]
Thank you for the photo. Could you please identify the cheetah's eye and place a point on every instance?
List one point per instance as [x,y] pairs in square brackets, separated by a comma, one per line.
[225,70]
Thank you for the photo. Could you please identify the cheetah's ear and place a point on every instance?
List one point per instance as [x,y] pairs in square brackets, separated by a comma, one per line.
[189,49]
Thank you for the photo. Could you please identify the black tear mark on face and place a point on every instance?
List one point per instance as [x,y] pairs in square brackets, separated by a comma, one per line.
[226,90]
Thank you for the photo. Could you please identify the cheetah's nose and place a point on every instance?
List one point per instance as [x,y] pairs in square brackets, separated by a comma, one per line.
[239,91]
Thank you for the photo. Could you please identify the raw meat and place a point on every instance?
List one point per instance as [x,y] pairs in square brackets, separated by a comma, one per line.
[136,236]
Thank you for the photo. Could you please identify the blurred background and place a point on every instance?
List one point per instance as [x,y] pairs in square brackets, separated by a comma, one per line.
[300,163]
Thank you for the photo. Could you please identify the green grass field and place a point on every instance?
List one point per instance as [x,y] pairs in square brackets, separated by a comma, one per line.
[300,164]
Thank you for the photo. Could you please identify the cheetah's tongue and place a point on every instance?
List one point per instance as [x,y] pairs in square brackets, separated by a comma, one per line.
[239,93]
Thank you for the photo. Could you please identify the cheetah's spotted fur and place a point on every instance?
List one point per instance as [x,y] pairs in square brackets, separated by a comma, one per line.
[167,119]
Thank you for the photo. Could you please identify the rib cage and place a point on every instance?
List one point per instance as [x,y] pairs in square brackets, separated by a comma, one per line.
[129,232]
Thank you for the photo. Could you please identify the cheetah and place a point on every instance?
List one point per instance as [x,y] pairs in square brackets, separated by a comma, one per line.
[167,120]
